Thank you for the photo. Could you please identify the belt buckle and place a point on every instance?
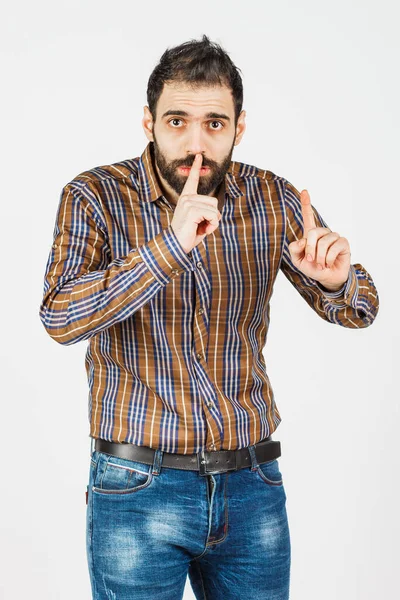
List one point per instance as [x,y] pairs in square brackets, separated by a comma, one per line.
[202,463]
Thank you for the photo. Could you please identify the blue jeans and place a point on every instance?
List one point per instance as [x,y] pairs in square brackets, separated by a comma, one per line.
[148,527]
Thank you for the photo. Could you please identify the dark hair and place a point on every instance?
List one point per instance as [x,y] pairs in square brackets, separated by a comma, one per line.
[196,63]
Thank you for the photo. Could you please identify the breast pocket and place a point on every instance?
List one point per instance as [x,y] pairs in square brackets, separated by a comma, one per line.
[115,475]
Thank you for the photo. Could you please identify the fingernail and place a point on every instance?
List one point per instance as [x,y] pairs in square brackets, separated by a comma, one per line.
[309,257]
[319,267]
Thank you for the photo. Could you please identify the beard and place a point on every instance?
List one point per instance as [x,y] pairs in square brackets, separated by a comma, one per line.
[207,183]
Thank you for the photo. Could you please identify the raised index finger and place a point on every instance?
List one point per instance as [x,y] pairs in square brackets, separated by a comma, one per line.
[307,212]
[192,180]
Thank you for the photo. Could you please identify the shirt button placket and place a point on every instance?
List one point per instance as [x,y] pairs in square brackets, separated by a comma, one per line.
[202,332]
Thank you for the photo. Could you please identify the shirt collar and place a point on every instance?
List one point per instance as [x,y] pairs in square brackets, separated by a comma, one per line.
[150,190]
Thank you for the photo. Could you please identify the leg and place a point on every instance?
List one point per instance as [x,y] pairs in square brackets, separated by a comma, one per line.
[131,553]
[248,553]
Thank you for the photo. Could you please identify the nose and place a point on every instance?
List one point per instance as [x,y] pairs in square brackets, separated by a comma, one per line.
[195,143]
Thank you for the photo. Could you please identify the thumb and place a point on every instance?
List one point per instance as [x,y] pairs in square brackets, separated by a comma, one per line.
[297,248]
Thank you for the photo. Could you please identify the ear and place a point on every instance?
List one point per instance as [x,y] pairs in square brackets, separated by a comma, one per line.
[148,124]
[240,127]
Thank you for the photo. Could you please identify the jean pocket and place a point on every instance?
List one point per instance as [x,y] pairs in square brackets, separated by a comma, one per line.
[115,475]
[269,472]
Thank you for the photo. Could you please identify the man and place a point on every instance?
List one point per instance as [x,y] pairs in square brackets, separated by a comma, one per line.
[166,264]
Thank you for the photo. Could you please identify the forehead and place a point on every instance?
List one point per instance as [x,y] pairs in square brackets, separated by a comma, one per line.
[195,101]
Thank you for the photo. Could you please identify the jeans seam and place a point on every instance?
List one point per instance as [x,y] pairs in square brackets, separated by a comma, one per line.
[201,578]
[226,518]
[91,537]
[125,491]
[269,481]
[206,548]
[127,468]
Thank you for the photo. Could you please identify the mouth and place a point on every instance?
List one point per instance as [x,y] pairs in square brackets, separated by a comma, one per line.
[186,170]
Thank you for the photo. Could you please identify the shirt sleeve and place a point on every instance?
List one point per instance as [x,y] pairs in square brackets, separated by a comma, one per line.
[84,290]
[356,304]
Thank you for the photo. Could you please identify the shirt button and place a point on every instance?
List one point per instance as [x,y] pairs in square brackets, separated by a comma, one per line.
[212,447]
[199,356]
[210,404]
[201,310]
[199,265]
[174,272]
[54,246]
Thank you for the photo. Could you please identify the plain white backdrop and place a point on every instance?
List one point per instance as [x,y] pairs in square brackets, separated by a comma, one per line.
[321,91]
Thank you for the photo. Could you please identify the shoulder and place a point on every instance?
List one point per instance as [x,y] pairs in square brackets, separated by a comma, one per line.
[254,179]
[101,176]
[246,173]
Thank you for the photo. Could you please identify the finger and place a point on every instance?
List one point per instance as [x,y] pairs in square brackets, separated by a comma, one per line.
[324,243]
[338,252]
[208,214]
[312,239]
[192,180]
[297,250]
[307,212]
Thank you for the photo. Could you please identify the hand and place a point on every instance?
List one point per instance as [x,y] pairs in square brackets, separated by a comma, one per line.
[326,248]
[195,216]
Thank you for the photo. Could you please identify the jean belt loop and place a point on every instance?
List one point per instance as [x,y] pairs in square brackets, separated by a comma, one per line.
[158,456]
[254,463]
[92,441]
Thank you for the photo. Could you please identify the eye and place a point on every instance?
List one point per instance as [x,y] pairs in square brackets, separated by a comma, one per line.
[213,122]
[174,120]
[219,123]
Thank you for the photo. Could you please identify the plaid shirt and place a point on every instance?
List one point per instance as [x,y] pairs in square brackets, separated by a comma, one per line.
[175,340]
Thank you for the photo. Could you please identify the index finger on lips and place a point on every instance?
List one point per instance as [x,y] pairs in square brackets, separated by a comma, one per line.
[192,180]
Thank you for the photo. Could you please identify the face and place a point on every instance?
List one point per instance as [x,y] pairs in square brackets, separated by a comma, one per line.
[192,121]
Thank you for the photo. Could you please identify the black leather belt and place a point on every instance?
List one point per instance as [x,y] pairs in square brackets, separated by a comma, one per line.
[206,462]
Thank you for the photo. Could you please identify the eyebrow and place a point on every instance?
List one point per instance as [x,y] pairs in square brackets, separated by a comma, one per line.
[183,113]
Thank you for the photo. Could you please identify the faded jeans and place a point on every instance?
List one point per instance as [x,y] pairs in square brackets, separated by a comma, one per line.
[149,527]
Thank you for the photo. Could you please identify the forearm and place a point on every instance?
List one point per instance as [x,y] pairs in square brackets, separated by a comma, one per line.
[84,292]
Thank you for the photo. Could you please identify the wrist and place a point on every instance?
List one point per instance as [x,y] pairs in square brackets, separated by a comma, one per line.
[332,288]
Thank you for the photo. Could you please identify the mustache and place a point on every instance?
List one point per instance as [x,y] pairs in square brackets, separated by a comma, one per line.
[188,163]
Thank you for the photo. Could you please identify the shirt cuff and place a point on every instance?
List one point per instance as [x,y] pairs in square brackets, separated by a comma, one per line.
[164,256]
[347,292]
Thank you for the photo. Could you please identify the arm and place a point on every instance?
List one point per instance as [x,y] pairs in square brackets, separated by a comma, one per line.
[355,305]
[84,291]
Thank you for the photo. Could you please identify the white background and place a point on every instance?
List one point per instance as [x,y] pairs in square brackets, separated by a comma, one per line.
[321,91]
